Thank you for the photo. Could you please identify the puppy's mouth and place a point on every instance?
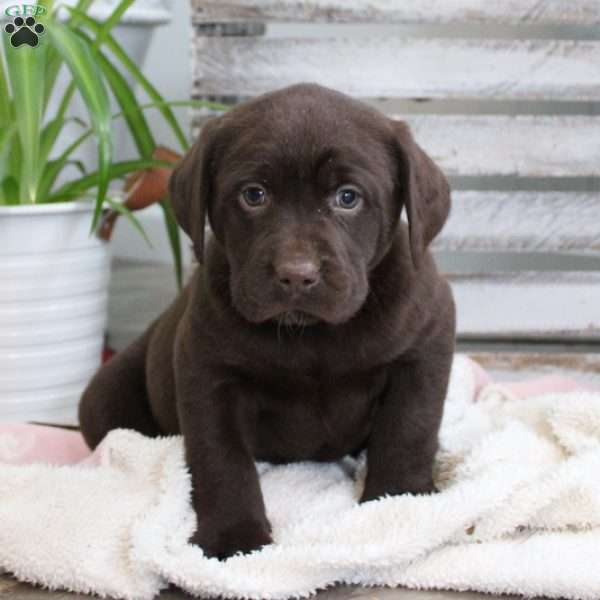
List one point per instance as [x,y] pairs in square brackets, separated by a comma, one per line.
[296,318]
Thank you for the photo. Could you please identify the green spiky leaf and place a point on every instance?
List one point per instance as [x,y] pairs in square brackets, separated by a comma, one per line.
[115,171]
[9,191]
[78,56]
[123,210]
[26,69]
[174,239]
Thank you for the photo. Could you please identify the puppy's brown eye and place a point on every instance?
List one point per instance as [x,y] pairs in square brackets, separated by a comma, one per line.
[347,198]
[254,196]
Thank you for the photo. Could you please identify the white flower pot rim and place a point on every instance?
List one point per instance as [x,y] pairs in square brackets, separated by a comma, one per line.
[50,208]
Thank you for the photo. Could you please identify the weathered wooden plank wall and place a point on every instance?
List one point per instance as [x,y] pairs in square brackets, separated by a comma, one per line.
[523,222]
[390,66]
[528,306]
[520,145]
[514,12]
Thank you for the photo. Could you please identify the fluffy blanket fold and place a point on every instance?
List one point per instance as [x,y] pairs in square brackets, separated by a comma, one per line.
[518,512]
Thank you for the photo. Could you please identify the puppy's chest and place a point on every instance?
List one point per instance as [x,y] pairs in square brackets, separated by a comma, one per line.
[318,418]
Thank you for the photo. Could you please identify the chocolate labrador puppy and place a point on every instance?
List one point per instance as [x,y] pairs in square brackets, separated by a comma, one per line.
[317,324]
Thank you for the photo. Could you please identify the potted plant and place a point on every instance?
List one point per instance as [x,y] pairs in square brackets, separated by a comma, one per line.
[54,272]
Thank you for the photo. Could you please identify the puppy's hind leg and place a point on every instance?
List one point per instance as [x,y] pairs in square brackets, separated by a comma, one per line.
[117,397]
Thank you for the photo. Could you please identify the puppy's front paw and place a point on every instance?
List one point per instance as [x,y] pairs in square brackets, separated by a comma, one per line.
[222,542]
[374,490]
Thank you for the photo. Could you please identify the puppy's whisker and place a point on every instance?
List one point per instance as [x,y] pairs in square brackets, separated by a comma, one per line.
[303,327]
[373,295]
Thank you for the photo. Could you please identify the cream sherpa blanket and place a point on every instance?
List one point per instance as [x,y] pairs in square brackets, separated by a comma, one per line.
[519,512]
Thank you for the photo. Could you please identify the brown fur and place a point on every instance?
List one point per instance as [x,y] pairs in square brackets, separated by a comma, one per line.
[354,353]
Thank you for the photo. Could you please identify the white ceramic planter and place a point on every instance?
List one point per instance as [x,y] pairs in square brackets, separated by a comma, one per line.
[53,302]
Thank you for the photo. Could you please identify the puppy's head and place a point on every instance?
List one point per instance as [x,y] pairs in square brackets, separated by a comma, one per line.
[304,189]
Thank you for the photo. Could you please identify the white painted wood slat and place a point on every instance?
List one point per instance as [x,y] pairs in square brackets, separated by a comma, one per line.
[523,222]
[514,12]
[390,66]
[523,145]
[536,305]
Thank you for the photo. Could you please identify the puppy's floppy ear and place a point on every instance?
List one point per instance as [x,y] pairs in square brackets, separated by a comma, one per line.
[424,191]
[190,186]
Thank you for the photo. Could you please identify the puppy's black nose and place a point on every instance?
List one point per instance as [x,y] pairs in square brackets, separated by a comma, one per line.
[297,275]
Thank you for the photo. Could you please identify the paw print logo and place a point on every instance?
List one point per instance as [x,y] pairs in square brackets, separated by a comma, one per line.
[24,31]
